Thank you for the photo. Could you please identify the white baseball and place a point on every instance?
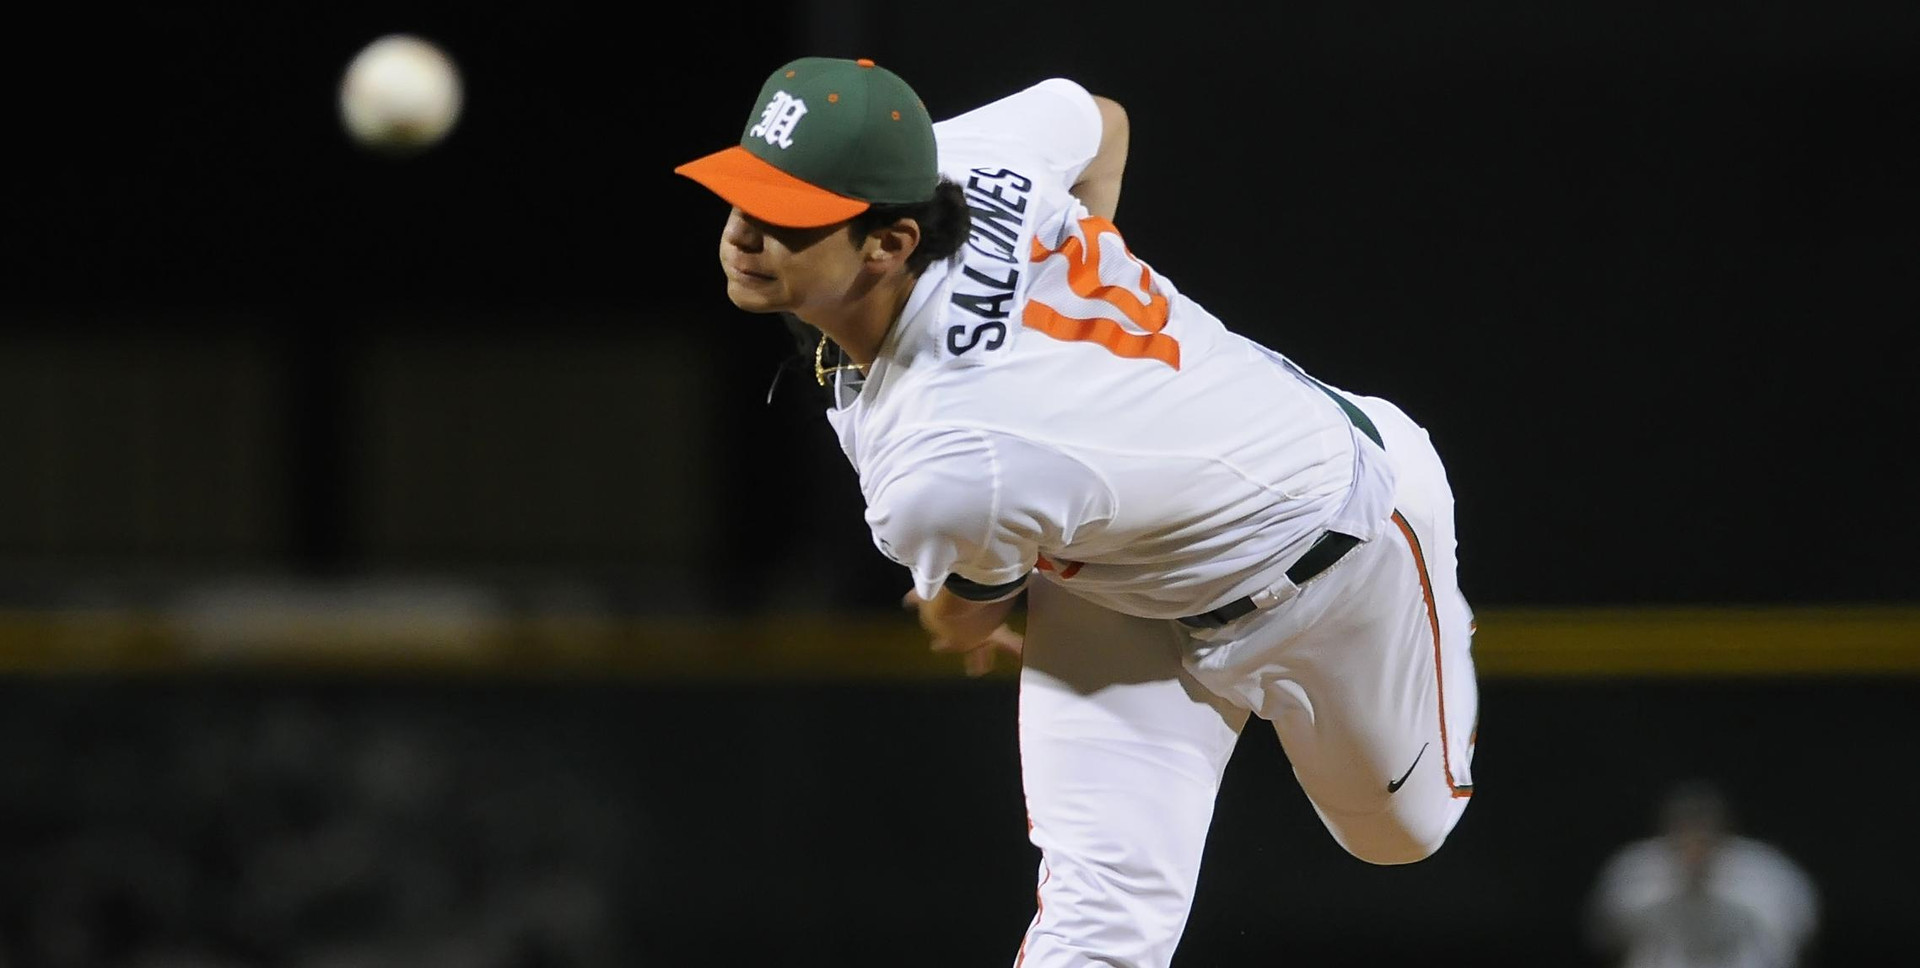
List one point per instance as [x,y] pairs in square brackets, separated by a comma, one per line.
[400,92]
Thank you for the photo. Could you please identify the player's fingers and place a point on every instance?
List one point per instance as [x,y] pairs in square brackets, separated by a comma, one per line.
[979,662]
[995,641]
[953,646]
[1007,640]
[981,659]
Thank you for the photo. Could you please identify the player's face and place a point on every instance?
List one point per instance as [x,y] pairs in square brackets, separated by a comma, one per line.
[772,269]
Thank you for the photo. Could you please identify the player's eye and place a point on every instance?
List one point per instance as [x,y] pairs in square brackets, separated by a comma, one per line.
[791,239]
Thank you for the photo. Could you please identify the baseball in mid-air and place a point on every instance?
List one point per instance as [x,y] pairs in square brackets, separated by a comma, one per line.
[401,93]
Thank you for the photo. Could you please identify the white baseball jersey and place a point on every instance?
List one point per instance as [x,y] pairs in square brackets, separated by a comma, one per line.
[1049,401]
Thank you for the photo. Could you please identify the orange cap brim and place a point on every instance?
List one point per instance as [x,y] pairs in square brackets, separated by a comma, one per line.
[767,193]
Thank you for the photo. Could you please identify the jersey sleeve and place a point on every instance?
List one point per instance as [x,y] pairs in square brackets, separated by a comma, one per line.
[970,510]
[1053,126]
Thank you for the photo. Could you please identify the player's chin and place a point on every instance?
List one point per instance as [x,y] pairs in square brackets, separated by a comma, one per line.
[756,296]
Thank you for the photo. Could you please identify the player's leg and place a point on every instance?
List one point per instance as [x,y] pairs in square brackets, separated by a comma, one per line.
[1122,754]
[1367,674]
[1385,750]
[1400,692]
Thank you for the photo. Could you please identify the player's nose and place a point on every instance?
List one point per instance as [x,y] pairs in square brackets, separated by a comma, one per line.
[740,232]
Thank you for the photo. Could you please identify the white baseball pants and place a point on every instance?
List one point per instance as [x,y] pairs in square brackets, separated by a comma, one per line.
[1126,724]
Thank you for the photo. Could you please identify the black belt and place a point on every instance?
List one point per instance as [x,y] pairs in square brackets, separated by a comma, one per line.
[1331,547]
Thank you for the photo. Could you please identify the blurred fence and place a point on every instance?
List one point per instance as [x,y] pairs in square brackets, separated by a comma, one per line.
[148,455]
[366,627]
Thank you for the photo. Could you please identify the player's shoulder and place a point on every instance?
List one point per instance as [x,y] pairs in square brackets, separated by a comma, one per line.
[1047,130]
[942,463]
[944,403]
[1044,98]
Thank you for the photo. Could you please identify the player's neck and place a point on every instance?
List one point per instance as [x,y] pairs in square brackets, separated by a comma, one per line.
[863,328]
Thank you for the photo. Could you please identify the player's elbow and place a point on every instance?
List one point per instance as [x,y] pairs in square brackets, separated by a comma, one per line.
[1115,129]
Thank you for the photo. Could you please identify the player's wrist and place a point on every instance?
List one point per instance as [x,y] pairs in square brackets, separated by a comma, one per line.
[963,623]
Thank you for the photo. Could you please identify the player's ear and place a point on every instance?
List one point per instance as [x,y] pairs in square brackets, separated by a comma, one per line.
[892,243]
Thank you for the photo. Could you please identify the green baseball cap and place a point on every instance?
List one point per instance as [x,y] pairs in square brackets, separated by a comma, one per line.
[827,139]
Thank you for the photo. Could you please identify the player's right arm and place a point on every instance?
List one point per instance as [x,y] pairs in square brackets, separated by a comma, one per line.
[1099,185]
[1056,131]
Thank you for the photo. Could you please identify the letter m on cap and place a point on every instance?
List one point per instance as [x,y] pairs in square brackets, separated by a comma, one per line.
[778,120]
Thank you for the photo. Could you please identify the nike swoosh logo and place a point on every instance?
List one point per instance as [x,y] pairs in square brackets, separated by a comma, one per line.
[1393,786]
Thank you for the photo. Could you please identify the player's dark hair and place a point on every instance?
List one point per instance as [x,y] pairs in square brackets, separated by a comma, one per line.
[944,223]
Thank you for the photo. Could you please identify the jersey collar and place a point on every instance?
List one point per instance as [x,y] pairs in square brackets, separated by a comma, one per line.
[906,340]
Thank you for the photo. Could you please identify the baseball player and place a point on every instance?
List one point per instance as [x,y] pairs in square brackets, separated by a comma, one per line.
[1201,531]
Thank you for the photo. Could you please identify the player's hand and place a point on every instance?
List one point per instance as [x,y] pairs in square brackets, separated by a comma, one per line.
[980,658]
[978,655]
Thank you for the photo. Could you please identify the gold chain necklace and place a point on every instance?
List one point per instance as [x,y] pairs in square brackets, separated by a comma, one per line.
[821,371]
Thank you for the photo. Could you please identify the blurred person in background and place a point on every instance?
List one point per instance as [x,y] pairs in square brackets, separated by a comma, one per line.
[1697,895]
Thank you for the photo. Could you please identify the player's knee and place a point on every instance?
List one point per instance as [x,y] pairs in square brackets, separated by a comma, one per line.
[1407,851]
[1401,839]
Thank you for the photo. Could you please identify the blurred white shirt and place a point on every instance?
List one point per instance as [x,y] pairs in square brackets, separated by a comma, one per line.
[1754,908]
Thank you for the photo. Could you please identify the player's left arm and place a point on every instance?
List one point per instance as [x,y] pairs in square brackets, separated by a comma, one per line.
[939,520]
[978,631]
[965,512]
